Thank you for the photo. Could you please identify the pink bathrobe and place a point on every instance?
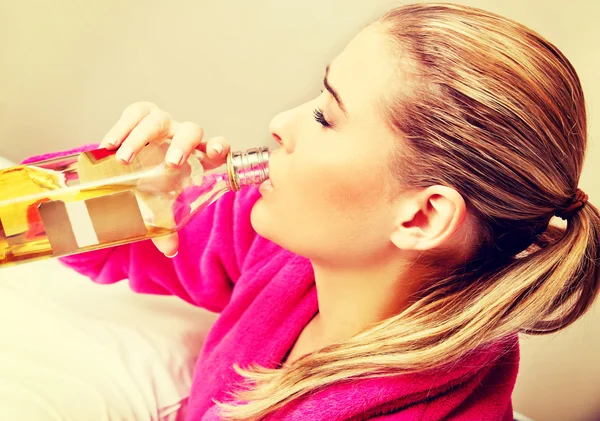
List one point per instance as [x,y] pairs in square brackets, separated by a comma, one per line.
[265,296]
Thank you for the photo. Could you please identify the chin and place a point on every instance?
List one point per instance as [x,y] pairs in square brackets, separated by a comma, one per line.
[260,218]
[262,221]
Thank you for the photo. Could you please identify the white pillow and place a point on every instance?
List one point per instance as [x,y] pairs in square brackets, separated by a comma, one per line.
[5,162]
[74,350]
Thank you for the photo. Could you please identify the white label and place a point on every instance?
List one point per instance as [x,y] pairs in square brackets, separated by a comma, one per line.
[82,224]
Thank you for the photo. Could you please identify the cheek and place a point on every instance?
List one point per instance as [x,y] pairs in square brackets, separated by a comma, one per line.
[328,207]
[339,184]
[351,212]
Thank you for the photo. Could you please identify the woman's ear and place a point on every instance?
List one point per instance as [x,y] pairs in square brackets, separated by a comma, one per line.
[428,219]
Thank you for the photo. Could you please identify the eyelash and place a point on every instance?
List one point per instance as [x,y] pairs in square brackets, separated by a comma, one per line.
[318,113]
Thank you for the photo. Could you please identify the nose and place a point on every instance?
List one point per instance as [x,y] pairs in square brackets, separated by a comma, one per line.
[282,129]
[277,138]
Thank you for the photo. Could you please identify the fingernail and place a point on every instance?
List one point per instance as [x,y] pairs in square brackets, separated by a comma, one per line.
[175,156]
[125,153]
[175,255]
[218,148]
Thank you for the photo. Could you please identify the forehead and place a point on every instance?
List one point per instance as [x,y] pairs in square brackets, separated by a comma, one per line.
[363,73]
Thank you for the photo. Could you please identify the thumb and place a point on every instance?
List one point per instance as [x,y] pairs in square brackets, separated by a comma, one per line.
[167,244]
[162,217]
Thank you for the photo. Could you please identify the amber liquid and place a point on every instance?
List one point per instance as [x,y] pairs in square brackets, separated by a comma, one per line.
[22,235]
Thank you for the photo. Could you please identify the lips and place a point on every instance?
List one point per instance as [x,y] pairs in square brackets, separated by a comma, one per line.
[269,181]
[266,186]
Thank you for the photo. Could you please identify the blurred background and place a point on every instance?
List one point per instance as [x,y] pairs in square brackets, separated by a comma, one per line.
[70,67]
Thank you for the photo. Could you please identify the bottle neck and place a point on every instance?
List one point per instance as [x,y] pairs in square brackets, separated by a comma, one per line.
[248,168]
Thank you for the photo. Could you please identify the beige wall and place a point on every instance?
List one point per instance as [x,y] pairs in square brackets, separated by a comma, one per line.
[69,68]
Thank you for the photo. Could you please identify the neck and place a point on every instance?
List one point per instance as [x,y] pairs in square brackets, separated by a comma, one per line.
[352,300]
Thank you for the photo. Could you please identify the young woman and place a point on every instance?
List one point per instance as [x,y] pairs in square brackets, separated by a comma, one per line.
[405,240]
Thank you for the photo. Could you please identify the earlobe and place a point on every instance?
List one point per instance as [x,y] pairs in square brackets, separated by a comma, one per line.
[428,219]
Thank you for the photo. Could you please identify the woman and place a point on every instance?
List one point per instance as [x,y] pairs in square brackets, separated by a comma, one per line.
[405,240]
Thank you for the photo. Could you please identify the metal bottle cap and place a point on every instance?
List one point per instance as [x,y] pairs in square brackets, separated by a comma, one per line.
[248,168]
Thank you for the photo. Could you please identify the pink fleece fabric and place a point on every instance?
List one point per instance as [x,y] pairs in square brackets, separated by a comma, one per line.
[265,296]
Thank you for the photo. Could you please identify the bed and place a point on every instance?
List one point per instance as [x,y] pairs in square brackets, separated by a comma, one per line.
[74,350]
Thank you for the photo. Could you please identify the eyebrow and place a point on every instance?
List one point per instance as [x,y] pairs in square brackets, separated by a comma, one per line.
[333,92]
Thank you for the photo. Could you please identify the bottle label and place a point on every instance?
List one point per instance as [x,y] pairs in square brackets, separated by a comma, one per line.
[75,225]
[97,155]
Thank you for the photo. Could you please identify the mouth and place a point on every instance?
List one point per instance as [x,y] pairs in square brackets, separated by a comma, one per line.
[266,186]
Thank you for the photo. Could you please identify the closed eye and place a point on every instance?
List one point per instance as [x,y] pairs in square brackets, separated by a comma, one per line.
[319,117]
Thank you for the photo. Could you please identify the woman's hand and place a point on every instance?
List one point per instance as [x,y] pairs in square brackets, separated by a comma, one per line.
[144,122]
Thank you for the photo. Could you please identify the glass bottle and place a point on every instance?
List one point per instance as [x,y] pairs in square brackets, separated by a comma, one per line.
[89,200]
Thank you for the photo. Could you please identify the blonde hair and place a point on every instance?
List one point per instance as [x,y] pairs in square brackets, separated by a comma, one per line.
[496,112]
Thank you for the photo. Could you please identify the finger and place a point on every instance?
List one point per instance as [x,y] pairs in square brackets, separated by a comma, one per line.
[215,152]
[207,144]
[130,118]
[155,126]
[162,218]
[217,148]
[187,137]
[167,244]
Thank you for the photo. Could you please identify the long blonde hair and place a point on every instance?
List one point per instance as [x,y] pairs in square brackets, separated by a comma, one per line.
[497,113]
